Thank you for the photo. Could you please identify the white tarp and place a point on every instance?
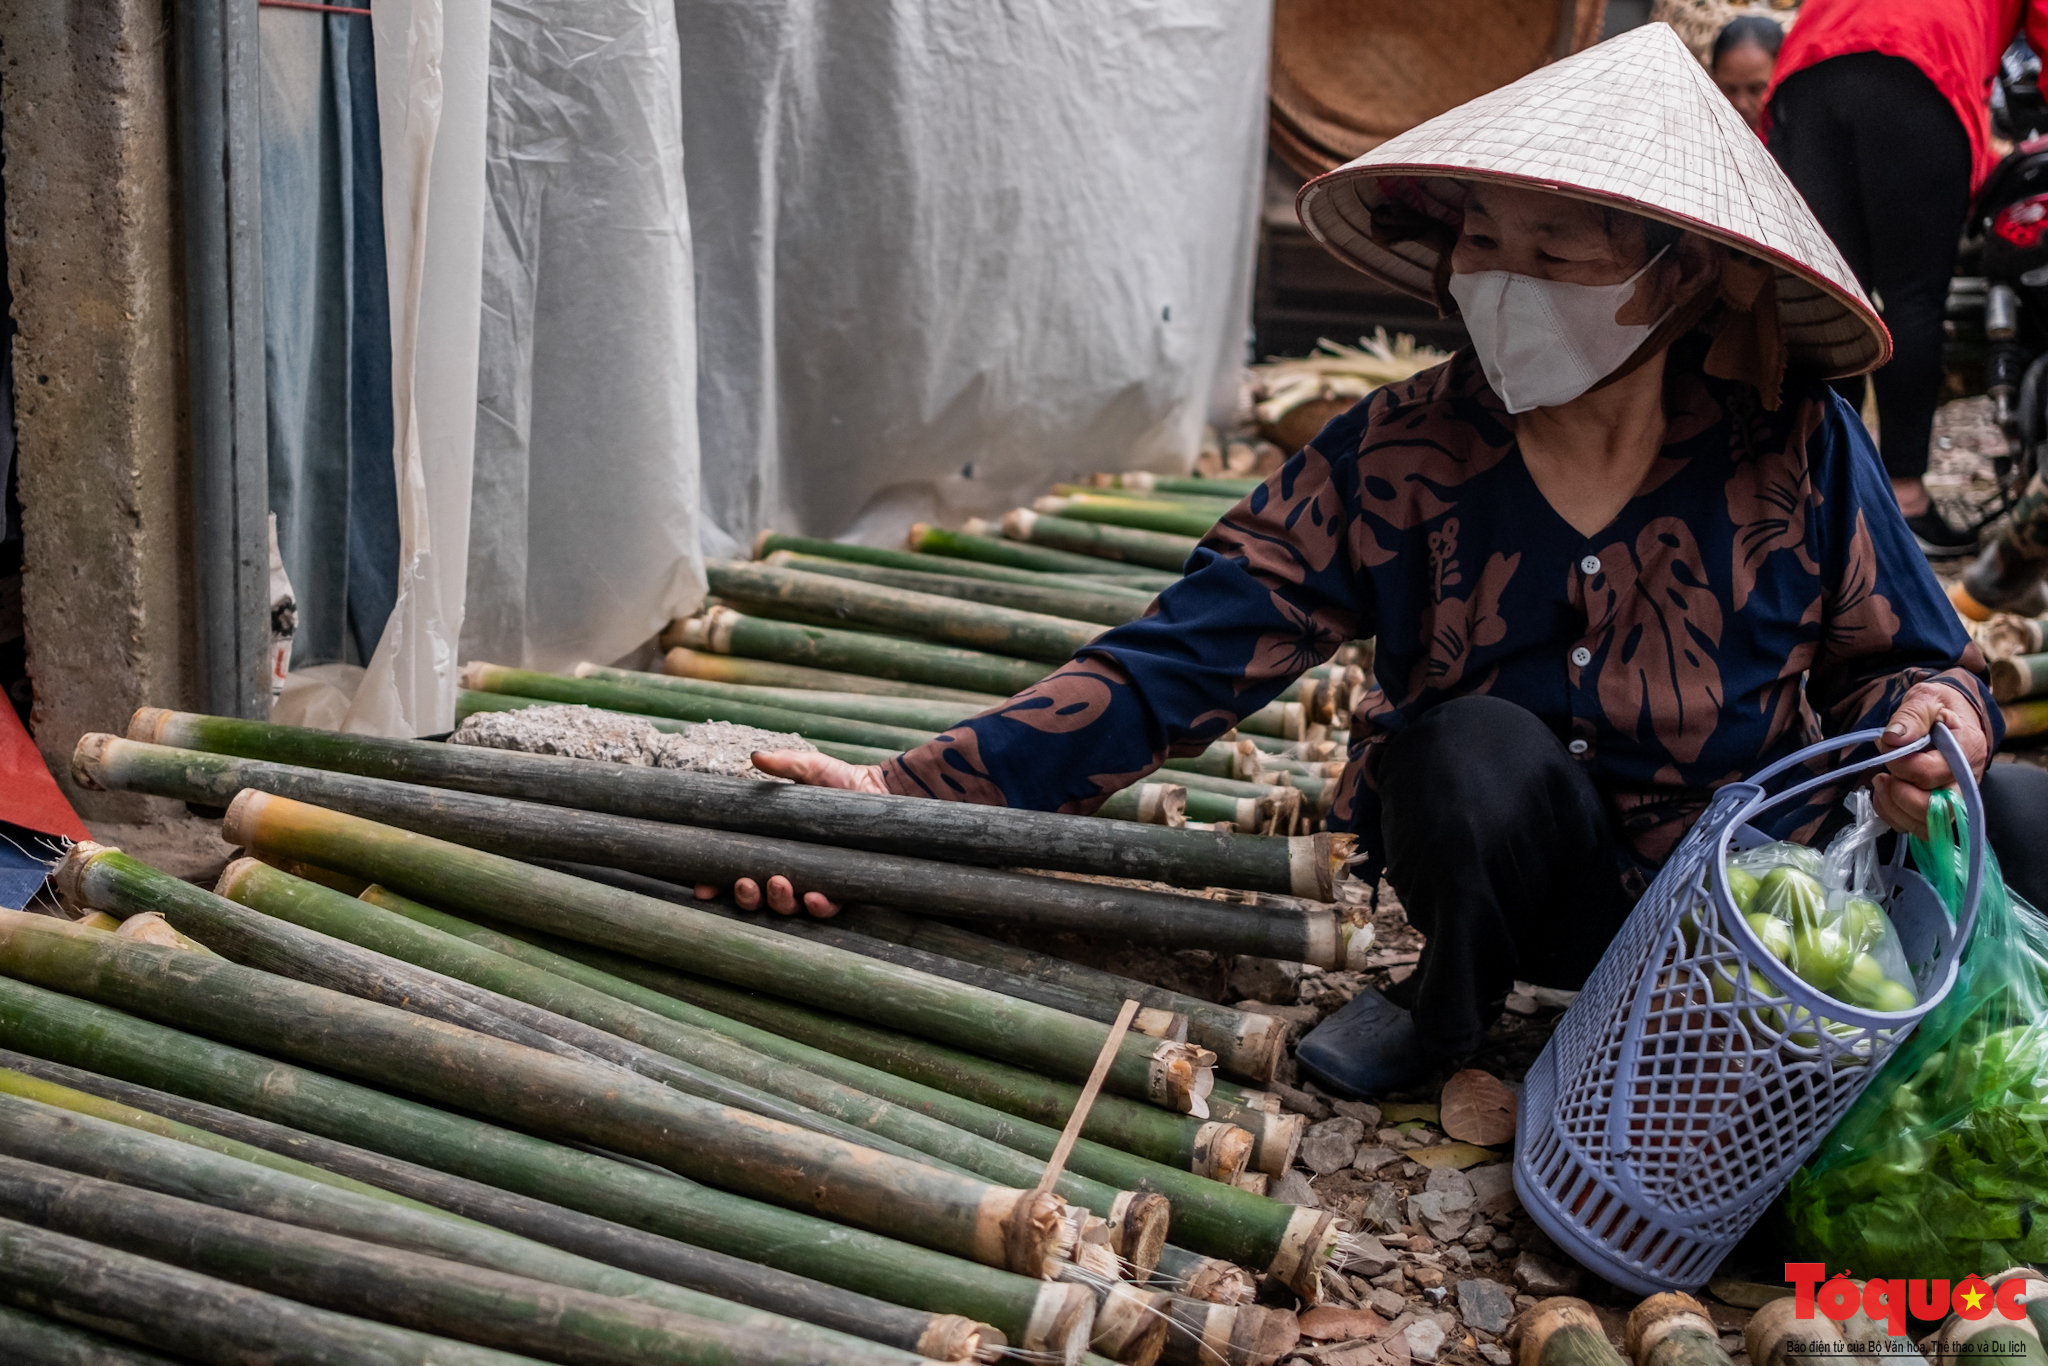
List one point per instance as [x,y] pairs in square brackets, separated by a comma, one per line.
[431,91]
[949,251]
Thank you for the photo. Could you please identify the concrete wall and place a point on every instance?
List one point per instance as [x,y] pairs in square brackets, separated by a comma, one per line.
[86,88]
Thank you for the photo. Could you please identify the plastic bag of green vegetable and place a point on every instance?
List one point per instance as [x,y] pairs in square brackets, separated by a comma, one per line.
[1941,1166]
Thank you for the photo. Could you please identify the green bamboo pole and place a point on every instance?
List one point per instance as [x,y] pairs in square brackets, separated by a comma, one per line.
[769,544]
[1130,1140]
[1104,606]
[459,1296]
[369,923]
[1202,1278]
[680,705]
[1202,487]
[1247,1044]
[1178,519]
[957,831]
[738,1151]
[112,881]
[1249,814]
[1158,549]
[31,1340]
[1218,503]
[966,545]
[716,668]
[1036,1315]
[1124,1143]
[911,713]
[723,631]
[693,855]
[97,1149]
[932,616]
[203,1318]
[941,1337]
[501,888]
[468,703]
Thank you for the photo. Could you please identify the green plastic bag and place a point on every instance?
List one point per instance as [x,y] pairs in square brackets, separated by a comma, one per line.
[1940,1168]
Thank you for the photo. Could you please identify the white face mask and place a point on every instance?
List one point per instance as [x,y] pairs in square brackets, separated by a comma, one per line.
[1545,342]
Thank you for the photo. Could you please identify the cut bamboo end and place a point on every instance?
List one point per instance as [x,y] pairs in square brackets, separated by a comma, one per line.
[1027,1233]
[1312,866]
[1255,1047]
[1216,1281]
[1017,523]
[475,674]
[1130,1324]
[1162,804]
[1666,1318]
[1179,1077]
[1278,1139]
[232,875]
[88,760]
[1777,1336]
[761,540]
[148,927]
[1170,1025]
[1258,1183]
[1306,1247]
[148,724]
[245,814]
[1052,505]
[69,879]
[952,1338]
[1562,1331]
[1358,941]
[1061,1322]
[1138,1225]
[1222,1151]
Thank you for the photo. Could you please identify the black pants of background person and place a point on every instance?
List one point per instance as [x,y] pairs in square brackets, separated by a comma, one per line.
[1503,855]
[1885,164]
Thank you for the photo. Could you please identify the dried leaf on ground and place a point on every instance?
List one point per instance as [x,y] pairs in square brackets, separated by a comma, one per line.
[1455,1156]
[1478,1108]
[1400,1112]
[1327,1323]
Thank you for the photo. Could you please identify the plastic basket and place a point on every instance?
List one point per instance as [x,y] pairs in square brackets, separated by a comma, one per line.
[1659,1123]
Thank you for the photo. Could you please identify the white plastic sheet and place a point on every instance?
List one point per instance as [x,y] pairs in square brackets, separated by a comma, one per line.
[583,536]
[949,251]
[431,90]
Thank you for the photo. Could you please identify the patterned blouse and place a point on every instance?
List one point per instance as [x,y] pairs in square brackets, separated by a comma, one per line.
[1758,592]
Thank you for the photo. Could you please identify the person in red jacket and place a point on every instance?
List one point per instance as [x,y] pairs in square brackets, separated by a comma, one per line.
[1880,113]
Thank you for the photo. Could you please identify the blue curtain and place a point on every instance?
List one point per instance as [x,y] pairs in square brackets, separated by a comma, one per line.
[327,332]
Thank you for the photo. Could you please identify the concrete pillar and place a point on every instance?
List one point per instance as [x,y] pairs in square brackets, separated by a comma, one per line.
[94,259]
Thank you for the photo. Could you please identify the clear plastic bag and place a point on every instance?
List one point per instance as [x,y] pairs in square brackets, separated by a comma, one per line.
[1818,912]
[1941,1167]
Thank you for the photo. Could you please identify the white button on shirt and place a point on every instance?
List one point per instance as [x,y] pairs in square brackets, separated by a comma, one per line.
[1582,656]
[1578,747]
[1591,564]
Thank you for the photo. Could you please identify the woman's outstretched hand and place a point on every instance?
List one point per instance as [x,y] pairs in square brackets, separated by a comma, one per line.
[812,769]
[1901,793]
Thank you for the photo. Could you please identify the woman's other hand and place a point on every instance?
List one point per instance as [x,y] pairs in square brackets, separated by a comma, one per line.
[1901,793]
[813,770]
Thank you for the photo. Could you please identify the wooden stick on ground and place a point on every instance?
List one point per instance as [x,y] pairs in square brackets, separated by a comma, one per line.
[1072,1133]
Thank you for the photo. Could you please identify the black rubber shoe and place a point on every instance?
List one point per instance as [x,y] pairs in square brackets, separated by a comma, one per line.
[1366,1049]
[1938,540]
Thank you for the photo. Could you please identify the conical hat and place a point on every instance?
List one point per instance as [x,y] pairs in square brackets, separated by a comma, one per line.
[1632,122]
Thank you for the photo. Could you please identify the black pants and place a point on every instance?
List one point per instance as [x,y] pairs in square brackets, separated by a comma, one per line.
[1503,854]
[1885,164]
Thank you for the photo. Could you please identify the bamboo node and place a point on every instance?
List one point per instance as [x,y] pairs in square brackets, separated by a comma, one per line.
[69,879]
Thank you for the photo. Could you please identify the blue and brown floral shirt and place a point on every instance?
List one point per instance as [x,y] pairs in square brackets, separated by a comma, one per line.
[1758,592]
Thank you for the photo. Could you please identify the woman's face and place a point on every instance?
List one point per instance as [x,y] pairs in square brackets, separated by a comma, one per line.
[1552,237]
[1744,73]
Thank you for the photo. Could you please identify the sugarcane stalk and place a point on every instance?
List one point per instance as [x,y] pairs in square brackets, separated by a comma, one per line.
[941,1337]
[910,713]
[679,662]
[1178,519]
[1157,549]
[204,1318]
[109,1152]
[31,1340]
[695,855]
[683,705]
[1673,1330]
[1104,606]
[1562,1332]
[1131,1146]
[460,1296]
[723,631]
[967,545]
[959,832]
[368,922]
[732,1148]
[1036,1315]
[932,616]
[1247,1044]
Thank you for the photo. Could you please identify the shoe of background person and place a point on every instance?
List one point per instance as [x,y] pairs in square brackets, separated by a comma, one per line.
[1938,540]
[1366,1049]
